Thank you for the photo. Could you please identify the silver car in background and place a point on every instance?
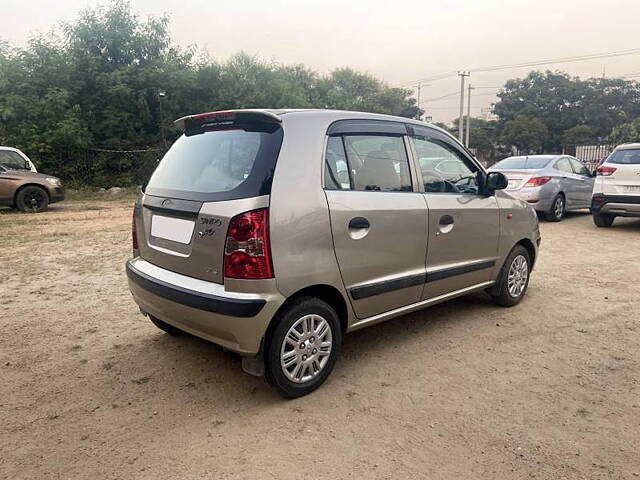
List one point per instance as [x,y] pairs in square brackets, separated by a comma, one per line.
[551,184]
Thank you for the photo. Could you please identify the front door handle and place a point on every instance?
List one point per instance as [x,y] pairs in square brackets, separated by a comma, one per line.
[446,220]
[359,222]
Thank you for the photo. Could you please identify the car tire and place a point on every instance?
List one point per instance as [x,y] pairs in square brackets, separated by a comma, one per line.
[557,210]
[303,347]
[513,279]
[165,327]
[32,199]
[603,220]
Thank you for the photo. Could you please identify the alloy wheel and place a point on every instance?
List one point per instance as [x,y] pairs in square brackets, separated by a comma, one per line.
[306,348]
[518,275]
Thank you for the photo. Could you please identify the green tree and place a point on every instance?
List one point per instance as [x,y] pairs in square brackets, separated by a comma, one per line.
[625,133]
[579,135]
[561,102]
[525,133]
[95,83]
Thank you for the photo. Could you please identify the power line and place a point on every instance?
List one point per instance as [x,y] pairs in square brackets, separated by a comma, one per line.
[579,58]
[438,98]
[575,58]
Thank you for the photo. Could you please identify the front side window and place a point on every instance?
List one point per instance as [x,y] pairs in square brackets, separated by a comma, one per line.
[12,160]
[367,162]
[579,168]
[444,169]
[564,166]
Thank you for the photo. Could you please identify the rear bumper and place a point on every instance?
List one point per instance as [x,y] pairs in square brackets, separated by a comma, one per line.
[540,199]
[619,205]
[237,321]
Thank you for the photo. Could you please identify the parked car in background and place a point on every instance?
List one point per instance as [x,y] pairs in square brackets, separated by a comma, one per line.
[15,159]
[551,184]
[616,192]
[275,232]
[27,190]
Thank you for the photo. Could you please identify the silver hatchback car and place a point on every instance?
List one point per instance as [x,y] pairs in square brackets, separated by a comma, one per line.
[275,232]
[552,184]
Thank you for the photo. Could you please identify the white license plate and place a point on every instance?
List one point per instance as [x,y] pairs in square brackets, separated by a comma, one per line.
[513,183]
[632,188]
[174,229]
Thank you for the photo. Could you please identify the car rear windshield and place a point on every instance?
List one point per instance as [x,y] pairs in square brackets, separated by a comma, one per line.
[521,163]
[628,157]
[218,165]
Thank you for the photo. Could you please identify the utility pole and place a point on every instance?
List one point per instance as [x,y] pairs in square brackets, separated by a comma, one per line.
[161,95]
[466,133]
[418,89]
[461,74]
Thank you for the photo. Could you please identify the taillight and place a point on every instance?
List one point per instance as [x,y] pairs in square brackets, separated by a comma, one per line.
[537,181]
[247,253]
[605,171]
[134,235]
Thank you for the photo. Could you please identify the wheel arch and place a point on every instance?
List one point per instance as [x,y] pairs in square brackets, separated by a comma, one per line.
[324,292]
[22,187]
[531,249]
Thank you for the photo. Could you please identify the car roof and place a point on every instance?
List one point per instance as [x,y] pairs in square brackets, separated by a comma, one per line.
[542,157]
[328,114]
[12,149]
[628,146]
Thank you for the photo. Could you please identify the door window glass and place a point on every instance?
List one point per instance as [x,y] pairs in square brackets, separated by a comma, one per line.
[336,170]
[579,168]
[378,162]
[12,160]
[444,169]
[564,166]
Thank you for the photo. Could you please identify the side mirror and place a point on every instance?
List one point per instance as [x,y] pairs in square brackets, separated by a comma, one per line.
[496,181]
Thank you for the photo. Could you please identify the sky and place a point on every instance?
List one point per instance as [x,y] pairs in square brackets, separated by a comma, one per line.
[399,42]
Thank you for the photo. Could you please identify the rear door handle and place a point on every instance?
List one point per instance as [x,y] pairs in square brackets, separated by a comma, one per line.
[446,220]
[359,222]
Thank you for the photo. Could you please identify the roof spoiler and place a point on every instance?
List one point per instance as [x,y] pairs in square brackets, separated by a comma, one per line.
[225,120]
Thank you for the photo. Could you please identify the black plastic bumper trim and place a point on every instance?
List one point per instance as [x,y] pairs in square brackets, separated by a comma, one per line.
[209,303]
[629,199]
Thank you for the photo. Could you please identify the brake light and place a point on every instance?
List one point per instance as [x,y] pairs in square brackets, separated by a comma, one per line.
[605,171]
[247,253]
[134,234]
[537,181]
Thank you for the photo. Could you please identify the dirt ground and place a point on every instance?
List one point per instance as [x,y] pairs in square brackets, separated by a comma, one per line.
[465,390]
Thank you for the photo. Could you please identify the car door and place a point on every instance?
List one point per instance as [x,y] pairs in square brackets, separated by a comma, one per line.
[584,182]
[464,223]
[7,188]
[378,220]
[569,183]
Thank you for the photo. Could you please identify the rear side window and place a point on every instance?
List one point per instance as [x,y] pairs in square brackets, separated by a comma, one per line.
[218,165]
[367,163]
[625,157]
[336,170]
